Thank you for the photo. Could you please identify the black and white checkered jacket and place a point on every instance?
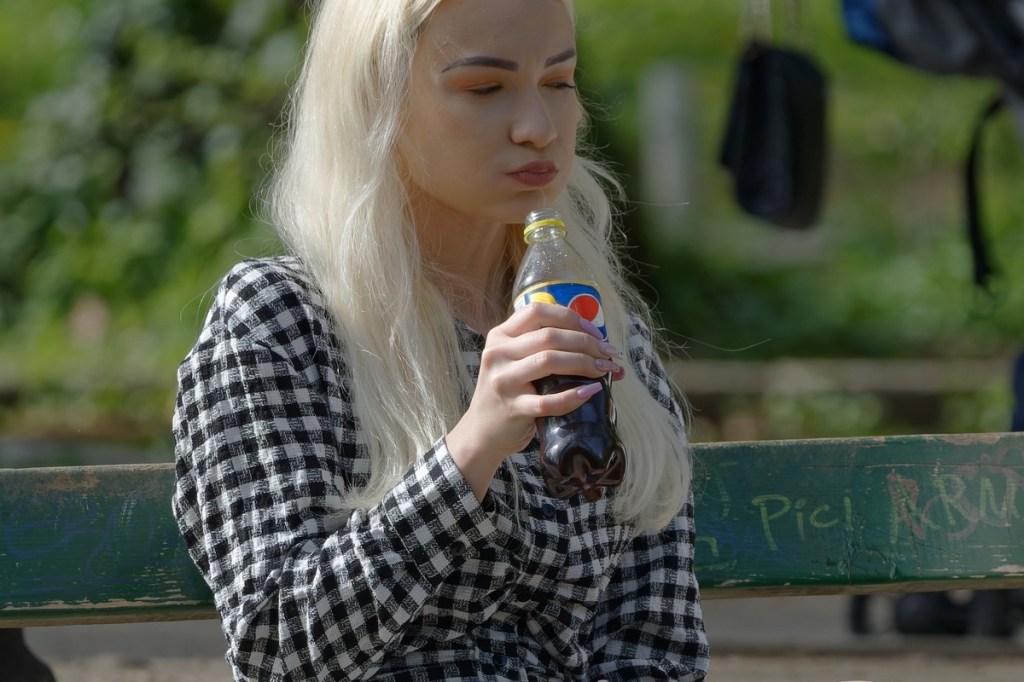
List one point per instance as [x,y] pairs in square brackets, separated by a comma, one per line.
[428,584]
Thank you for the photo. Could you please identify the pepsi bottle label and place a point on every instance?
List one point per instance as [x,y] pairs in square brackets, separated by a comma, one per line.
[582,298]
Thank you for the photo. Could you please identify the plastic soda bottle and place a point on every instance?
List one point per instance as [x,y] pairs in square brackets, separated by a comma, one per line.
[580,451]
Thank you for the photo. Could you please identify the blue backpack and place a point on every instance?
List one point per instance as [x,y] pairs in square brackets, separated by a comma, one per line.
[983,38]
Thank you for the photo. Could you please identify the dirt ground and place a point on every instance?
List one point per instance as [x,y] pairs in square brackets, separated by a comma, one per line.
[807,667]
[817,667]
[782,639]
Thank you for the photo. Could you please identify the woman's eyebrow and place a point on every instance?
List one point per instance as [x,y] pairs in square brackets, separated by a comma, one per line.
[561,57]
[483,60]
[506,64]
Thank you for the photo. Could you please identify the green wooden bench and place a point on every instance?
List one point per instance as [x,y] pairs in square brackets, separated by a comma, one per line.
[855,515]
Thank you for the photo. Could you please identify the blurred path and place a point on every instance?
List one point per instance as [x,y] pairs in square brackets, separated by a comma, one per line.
[782,639]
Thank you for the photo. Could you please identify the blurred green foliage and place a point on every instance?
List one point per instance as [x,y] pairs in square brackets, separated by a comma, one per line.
[128,180]
[135,136]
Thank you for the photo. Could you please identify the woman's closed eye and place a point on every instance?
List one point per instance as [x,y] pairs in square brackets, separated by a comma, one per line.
[490,89]
[484,89]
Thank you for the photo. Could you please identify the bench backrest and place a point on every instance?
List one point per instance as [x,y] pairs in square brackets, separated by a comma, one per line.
[99,544]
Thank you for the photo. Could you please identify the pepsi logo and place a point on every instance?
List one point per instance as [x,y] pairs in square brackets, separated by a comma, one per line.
[588,307]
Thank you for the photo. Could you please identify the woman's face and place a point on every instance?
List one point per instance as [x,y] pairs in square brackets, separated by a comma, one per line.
[491,126]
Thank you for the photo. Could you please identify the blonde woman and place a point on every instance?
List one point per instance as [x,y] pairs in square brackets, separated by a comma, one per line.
[357,462]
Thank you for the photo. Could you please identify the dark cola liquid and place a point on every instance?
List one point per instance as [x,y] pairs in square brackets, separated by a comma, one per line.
[580,451]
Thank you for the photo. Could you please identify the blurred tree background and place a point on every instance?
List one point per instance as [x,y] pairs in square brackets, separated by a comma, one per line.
[135,137]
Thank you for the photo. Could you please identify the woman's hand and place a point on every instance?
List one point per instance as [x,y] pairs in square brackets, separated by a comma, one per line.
[535,342]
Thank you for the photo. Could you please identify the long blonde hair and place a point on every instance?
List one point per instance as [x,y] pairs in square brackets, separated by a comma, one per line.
[339,202]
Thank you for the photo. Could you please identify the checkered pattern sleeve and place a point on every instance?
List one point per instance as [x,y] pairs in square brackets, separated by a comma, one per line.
[650,625]
[265,447]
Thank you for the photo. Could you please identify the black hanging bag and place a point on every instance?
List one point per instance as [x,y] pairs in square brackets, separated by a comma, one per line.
[775,139]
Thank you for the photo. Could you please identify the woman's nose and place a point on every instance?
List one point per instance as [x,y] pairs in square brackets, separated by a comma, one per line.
[532,123]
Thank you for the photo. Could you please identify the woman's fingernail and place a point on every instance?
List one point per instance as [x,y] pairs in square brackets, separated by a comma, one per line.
[588,326]
[609,349]
[605,365]
[589,390]
[618,373]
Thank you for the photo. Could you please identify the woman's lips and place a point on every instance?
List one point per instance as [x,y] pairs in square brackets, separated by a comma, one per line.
[536,174]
